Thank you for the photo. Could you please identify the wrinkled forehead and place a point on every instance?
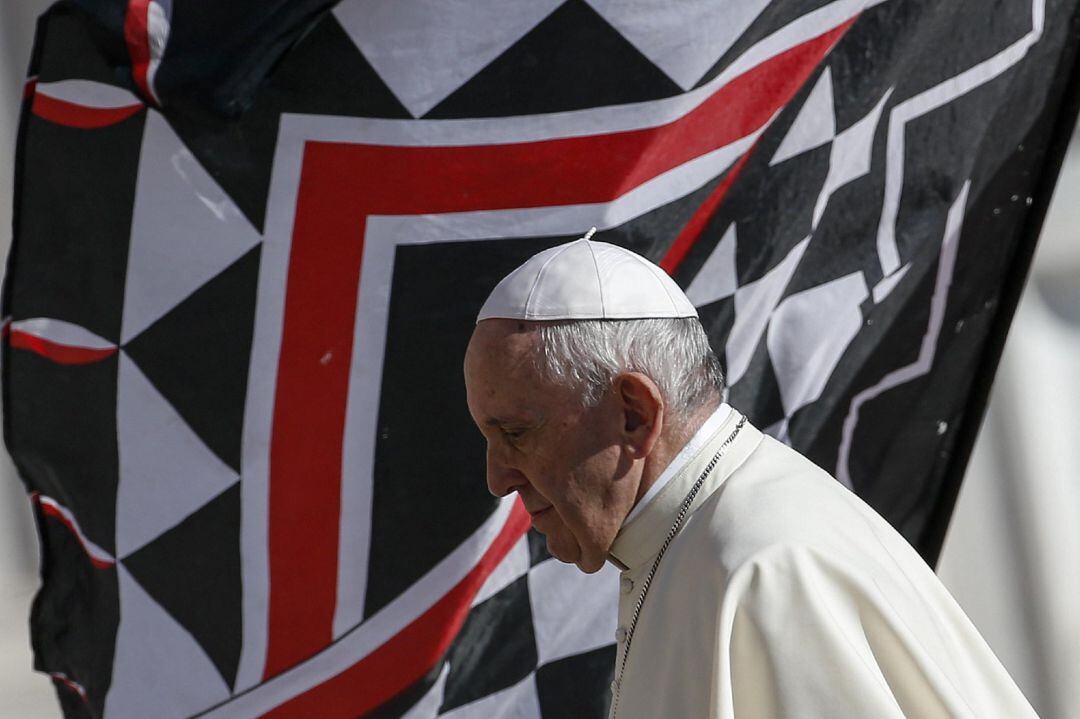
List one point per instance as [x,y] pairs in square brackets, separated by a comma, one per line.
[501,382]
[501,350]
[508,342]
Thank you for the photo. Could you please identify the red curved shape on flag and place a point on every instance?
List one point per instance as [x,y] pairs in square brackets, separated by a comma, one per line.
[82,116]
[59,353]
[137,38]
[411,653]
[50,509]
[63,680]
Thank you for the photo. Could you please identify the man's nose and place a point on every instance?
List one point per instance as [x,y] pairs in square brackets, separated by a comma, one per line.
[502,478]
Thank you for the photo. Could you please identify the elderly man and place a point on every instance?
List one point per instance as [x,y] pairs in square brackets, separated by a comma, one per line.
[753,584]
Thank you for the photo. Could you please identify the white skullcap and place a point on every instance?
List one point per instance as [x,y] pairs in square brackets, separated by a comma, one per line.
[586,280]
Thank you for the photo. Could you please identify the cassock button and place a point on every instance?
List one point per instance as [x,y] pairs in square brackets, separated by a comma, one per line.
[626,584]
[620,635]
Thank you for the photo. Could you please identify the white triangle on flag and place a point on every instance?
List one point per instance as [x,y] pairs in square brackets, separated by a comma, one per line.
[424,50]
[754,303]
[159,670]
[717,277]
[572,612]
[513,566]
[850,155]
[683,40]
[184,229]
[888,283]
[166,471]
[519,701]
[808,334]
[815,124]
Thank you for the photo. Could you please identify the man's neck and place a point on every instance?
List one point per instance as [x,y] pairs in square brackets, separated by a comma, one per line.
[673,438]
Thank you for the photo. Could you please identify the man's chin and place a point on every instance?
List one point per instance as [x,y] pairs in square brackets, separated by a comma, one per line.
[590,565]
[566,552]
[583,560]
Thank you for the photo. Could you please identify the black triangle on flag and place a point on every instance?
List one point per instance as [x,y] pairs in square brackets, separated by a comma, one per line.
[193,572]
[328,75]
[576,685]
[718,318]
[197,356]
[757,391]
[572,60]
[538,551]
[495,648]
[323,74]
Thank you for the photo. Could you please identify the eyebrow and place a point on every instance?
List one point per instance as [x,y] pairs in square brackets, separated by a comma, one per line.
[511,421]
[501,422]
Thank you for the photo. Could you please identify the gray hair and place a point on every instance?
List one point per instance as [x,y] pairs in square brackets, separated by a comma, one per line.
[587,355]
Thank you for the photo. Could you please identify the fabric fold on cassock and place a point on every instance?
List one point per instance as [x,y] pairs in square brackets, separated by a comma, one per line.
[785,595]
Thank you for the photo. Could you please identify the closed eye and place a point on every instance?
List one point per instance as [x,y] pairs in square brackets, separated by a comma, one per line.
[511,434]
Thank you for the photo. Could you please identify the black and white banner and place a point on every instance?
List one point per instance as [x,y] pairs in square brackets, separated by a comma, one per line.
[242,283]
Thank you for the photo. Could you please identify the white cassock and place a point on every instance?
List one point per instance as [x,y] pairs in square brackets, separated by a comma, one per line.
[785,595]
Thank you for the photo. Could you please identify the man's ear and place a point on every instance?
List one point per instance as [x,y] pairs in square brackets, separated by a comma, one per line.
[643,412]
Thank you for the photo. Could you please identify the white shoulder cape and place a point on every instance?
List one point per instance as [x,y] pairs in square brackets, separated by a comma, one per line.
[785,595]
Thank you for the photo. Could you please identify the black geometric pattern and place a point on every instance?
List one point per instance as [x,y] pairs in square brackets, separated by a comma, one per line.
[74,618]
[757,393]
[717,318]
[70,44]
[495,649]
[81,281]
[538,551]
[197,356]
[70,254]
[62,435]
[193,571]
[493,664]
[322,74]
[572,60]
[422,326]
[576,685]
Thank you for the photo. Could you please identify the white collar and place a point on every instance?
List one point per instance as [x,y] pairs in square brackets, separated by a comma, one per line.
[689,450]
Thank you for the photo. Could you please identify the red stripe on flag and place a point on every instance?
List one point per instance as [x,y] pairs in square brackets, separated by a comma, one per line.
[82,116]
[410,653]
[309,424]
[29,87]
[340,186]
[137,38]
[59,353]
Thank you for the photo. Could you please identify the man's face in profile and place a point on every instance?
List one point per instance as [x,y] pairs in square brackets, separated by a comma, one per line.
[565,461]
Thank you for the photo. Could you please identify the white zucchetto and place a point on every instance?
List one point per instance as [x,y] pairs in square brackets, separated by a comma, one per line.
[586,280]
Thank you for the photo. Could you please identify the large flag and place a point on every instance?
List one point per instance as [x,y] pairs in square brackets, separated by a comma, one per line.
[250,244]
